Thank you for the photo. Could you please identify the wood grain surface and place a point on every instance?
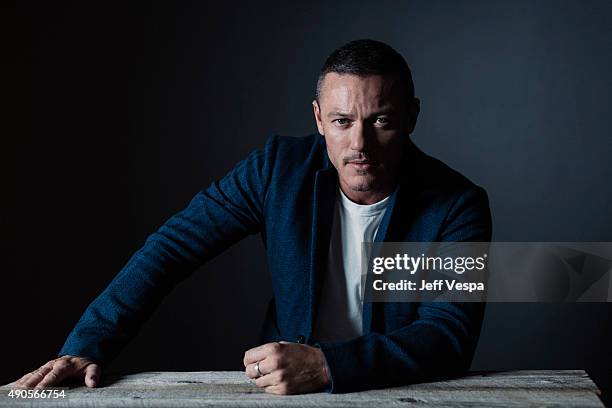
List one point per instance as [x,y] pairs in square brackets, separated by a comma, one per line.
[571,388]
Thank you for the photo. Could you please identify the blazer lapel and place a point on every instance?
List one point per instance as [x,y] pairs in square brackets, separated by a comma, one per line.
[322,219]
[381,236]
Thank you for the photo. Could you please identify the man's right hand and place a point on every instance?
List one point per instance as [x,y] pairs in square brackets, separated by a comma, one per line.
[60,369]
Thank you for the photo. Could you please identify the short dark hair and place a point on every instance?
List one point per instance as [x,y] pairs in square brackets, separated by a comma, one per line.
[364,58]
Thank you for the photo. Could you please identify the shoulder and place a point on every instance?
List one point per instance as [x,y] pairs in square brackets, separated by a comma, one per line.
[296,153]
[440,188]
[291,146]
[456,207]
[434,175]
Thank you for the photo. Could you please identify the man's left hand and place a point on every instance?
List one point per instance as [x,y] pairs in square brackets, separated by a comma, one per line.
[287,368]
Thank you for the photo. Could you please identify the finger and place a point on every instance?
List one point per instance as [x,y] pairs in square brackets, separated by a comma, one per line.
[279,389]
[60,371]
[269,379]
[251,372]
[259,353]
[92,375]
[36,376]
[255,354]
[52,378]
[264,368]
[19,382]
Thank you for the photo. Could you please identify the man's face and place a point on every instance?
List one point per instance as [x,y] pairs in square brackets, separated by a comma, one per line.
[365,122]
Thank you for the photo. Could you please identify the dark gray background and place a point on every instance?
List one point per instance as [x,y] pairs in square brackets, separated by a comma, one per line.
[115,117]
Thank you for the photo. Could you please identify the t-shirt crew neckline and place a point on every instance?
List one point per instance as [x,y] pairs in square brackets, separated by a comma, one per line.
[363,210]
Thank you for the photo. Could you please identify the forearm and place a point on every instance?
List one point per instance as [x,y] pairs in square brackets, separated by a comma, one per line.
[431,347]
[439,342]
[216,218]
[116,315]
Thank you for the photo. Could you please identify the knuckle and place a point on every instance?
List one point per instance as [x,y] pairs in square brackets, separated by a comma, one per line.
[62,365]
[36,374]
[251,372]
[25,377]
[272,363]
[249,356]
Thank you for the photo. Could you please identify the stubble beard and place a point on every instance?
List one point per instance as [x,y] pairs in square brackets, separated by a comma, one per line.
[366,184]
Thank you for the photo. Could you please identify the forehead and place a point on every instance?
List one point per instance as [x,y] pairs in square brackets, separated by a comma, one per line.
[346,90]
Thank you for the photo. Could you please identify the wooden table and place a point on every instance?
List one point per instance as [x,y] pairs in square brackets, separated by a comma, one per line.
[229,388]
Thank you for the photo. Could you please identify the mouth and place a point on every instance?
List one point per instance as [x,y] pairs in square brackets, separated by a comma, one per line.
[362,164]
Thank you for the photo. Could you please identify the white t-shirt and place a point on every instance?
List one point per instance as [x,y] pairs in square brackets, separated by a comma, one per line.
[341,302]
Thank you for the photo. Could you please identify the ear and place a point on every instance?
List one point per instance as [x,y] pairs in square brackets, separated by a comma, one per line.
[317,114]
[414,109]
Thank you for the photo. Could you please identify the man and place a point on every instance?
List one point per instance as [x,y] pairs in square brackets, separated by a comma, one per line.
[314,200]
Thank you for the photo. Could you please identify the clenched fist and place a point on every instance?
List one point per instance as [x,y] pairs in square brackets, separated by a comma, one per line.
[287,368]
[60,369]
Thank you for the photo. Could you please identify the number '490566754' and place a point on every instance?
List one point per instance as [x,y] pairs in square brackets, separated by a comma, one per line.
[36,394]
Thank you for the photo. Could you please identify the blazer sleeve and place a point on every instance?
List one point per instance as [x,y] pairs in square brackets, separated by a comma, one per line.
[216,218]
[440,343]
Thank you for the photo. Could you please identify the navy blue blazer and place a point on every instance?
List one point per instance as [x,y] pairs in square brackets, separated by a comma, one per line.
[286,192]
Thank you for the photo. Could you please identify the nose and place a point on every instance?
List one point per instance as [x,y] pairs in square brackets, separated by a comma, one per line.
[359,136]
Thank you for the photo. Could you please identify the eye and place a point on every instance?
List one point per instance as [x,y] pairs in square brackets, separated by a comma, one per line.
[382,120]
[341,121]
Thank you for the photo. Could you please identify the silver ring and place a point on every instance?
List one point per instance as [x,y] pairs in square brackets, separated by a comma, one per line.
[258,370]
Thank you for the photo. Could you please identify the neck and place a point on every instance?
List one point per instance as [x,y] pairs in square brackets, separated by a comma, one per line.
[366,197]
